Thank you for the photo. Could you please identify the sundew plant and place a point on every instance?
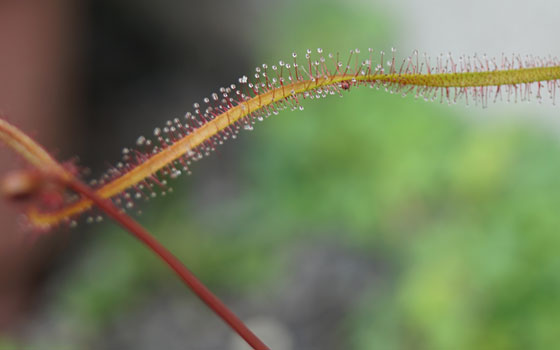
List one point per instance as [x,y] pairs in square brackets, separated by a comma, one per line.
[167,153]
[61,197]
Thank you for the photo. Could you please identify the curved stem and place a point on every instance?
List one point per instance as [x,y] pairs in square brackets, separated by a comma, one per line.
[275,93]
[181,270]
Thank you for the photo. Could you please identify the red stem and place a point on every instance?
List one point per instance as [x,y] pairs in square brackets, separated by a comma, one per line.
[187,276]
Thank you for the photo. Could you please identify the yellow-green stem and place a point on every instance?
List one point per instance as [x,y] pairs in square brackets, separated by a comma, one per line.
[189,142]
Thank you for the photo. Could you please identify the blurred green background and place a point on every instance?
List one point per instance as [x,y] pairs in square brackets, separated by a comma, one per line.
[367,222]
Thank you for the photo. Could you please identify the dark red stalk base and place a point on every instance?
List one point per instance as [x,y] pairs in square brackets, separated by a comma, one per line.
[187,276]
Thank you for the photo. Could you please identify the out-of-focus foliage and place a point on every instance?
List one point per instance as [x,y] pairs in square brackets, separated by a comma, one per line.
[463,215]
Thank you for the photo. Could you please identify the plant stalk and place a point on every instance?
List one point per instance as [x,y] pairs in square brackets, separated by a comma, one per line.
[173,262]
